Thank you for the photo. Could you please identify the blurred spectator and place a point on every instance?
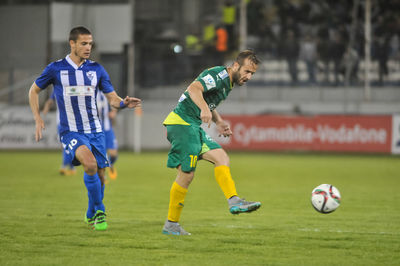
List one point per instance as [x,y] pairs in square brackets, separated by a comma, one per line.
[193,44]
[308,53]
[323,52]
[209,34]
[255,17]
[350,63]
[290,51]
[229,20]
[381,51]
[221,44]
[337,49]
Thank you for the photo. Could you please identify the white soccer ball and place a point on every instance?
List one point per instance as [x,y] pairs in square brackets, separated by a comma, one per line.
[325,198]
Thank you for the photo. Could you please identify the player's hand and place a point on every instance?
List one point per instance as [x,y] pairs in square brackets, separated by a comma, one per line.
[132,102]
[223,129]
[206,116]
[39,127]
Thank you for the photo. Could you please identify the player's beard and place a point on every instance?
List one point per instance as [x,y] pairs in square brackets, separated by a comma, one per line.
[236,77]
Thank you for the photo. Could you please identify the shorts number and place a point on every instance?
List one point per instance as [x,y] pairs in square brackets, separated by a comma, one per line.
[193,160]
[72,143]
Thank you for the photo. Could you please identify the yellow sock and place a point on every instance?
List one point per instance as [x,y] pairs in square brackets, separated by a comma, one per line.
[225,181]
[176,200]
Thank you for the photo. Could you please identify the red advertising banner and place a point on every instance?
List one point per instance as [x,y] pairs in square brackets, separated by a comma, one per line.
[316,133]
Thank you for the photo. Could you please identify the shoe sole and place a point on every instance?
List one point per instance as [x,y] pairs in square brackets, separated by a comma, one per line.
[166,232]
[100,228]
[238,209]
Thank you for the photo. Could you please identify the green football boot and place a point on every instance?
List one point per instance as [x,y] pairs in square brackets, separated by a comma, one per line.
[89,221]
[100,223]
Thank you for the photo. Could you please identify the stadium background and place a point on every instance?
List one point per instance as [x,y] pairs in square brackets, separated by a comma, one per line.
[164,59]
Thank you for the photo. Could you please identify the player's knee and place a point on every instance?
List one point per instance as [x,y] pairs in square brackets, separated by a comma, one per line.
[222,159]
[184,178]
[90,167]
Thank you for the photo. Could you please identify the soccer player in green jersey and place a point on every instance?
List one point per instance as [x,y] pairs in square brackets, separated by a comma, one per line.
[189,142]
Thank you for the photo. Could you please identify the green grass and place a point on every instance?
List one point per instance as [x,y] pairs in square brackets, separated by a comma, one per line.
[41,213]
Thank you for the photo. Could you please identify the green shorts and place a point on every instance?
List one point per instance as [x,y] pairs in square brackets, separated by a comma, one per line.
[188,143]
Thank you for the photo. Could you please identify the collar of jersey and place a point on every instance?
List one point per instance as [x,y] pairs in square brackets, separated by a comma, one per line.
[69,60]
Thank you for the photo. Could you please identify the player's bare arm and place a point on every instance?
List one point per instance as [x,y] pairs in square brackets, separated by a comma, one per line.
[34,103]
[47,105]
[115,101]
[196,94]
[222,126]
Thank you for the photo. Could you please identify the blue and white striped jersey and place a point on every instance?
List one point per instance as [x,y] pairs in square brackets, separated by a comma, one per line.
[104,108]
[75,89]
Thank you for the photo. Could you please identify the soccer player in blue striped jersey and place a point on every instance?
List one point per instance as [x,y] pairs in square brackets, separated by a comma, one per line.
[76,81]
[107,114]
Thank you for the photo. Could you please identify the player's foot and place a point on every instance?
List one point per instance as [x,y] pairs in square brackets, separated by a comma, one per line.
[70,172]
[112,172]
[63,171]
[174,228]
[100,223]
[67,172]
[89,221]
[238,205]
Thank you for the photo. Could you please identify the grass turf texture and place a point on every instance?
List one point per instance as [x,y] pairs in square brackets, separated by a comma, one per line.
[42,213]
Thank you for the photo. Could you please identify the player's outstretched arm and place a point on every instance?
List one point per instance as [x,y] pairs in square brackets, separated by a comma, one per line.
[34,104]
[119,103]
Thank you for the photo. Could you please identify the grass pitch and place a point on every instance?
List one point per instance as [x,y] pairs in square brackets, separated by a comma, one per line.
[41,213]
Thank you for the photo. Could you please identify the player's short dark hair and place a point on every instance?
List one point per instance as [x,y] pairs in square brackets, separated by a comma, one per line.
[249,54]
[75,32]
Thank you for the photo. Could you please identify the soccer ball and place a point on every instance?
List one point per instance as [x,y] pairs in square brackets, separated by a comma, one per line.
[325,198]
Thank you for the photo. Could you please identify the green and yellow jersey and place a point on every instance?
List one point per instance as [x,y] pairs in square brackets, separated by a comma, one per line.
[217,86]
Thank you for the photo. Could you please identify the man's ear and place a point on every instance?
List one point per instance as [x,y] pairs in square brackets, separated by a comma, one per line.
[71,43]
[235,66]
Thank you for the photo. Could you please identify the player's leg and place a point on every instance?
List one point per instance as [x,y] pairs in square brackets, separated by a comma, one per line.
[176,203]
[185,147]
[222,172]
[113,155]
[65,162]
[97,144]
[112,152]
[67,167]
[91,177]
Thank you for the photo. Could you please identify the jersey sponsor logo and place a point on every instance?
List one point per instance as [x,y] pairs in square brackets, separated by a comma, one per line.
[212,106]
[209,81]
[223,74]
[79,90]
[183,97]
[90,74]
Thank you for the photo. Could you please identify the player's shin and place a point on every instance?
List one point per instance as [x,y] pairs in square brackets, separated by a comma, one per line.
[90,211]
[225,181]
[94,188]
[176,201]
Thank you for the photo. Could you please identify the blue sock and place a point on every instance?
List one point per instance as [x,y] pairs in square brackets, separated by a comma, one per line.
[90,211]
[65,160]
[102,191]
[113,159]
[94,188]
